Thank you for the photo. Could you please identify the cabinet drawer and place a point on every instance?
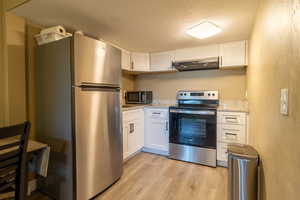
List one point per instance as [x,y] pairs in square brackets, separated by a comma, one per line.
[222,152]
[133,115]
[157,114]
[231,118]
[231,133]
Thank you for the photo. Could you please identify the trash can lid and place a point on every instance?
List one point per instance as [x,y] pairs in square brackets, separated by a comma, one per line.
[242,150]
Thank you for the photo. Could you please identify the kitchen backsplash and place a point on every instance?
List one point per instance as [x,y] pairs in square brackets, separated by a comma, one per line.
[231,84]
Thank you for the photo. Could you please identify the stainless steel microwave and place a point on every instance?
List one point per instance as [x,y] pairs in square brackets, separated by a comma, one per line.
[138,97]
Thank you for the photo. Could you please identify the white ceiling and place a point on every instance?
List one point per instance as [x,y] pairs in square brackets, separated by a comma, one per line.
[145,25]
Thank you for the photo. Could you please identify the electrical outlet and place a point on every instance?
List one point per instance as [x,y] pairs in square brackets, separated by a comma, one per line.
[284,101]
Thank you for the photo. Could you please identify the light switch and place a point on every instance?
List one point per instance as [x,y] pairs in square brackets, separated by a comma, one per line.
[284,101]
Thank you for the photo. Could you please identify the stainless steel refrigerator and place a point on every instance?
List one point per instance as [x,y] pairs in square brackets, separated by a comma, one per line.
[78,115]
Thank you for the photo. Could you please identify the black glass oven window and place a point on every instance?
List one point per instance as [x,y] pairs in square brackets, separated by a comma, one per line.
[195,130]
[192,128]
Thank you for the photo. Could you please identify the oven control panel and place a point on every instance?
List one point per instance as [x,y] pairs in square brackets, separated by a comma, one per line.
[201,95]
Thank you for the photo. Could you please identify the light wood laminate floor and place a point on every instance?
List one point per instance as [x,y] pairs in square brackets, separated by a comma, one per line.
[152,177]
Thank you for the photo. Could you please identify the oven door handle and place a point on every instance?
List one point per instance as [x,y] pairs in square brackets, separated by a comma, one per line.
[194,112]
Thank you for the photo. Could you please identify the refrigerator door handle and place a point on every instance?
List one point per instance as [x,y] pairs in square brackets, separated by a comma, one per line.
[99,89]
[106,85]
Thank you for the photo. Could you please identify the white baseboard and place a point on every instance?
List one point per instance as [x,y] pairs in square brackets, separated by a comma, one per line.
[132,155]
[221,163]
[155,151]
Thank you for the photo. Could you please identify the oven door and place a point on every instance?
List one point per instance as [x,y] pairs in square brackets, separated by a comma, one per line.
[193,127]
[133,97]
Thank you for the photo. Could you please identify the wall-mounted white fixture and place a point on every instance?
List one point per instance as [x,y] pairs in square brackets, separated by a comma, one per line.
[203,30]
[284,101]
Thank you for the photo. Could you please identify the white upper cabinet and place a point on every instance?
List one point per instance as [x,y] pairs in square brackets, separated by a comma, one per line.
[140,61]
[233,54]
[126,61]
[161,61]
[202,52]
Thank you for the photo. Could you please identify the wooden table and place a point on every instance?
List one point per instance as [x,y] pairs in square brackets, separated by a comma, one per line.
[33,146]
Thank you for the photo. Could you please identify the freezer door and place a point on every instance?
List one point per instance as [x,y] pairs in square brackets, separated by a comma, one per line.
[95,62]
[98,135]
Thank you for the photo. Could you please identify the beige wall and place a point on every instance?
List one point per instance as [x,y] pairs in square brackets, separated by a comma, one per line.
[31,31]
[230,83]
[10,4]
[12,65]
[275,64]
[128,83]
[2,65]
[18,95]
[15,72]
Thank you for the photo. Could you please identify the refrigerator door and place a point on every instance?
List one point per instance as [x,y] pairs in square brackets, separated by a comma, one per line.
[96,62]
[98,135]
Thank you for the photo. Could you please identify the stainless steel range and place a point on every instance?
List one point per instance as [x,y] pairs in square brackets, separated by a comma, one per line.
[193,127]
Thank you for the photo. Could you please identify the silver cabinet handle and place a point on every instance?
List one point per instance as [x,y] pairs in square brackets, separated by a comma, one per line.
[131,127]
[231,118]
[156,113]
[167,126]
[228,133]
[227,129]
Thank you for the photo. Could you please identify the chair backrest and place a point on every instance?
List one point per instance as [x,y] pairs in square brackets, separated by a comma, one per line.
[13,147]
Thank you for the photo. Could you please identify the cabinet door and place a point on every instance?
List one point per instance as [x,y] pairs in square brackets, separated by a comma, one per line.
[135,136]
[132,137]
[135,131]
[139,128]
[156,131]
[140,61]
[197,53]
[161,61]
[222,152]
[126,61]
[125,140]
[233,54]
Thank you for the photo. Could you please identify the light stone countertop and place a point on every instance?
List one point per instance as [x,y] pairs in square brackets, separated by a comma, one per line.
[233,106]
[135,107]
[225,106]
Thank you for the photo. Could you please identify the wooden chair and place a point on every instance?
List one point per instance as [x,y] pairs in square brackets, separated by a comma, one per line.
[13,160]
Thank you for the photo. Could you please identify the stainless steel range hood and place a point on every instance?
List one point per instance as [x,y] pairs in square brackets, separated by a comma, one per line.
[201,64]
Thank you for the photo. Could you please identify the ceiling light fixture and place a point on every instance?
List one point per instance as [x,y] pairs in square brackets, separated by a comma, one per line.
[203,30]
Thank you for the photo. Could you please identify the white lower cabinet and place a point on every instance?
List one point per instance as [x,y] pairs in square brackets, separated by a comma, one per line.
[157,130]
[231,128]
[133,132]
[125,139]
[222,153]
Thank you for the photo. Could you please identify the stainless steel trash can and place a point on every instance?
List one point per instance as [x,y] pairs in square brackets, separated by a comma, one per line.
[243,163]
